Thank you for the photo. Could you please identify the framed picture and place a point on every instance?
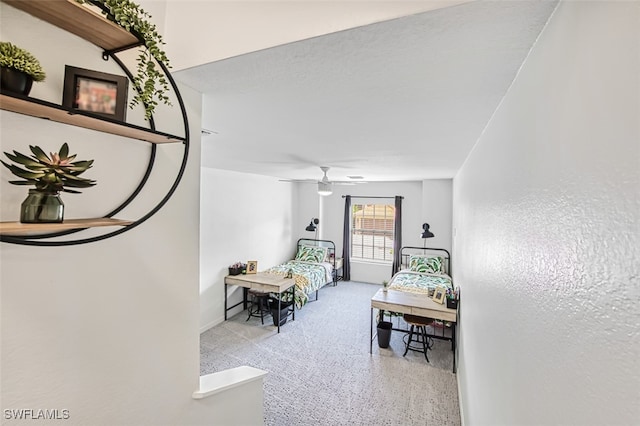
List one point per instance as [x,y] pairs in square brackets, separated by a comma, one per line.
[95,92]
[252,266]
[438,295]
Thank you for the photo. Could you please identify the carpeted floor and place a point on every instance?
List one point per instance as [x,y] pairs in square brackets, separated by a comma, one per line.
[321,372]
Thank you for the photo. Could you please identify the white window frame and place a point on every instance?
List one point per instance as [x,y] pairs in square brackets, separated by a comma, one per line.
[384,252]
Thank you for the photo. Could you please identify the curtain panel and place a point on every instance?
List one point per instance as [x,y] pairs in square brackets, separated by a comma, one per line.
[346,240]
[397,236]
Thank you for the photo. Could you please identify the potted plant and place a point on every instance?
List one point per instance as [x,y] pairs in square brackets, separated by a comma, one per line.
[236,268]
[18,68]
[49,175]
[150,82]
[385,285]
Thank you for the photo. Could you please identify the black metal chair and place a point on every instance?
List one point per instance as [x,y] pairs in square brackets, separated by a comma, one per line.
[258,304]
[418,335]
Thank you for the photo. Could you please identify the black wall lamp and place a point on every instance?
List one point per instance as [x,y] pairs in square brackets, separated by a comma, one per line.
[313,225]
[426,233]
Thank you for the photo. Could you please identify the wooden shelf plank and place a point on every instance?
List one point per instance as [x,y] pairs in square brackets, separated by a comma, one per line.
[17,228]
[78,19]
[43,109]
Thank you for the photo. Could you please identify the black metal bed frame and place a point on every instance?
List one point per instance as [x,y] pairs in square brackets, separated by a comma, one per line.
[405,256]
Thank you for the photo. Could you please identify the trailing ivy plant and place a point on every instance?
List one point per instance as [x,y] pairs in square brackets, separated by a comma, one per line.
[150,82]
[12,56]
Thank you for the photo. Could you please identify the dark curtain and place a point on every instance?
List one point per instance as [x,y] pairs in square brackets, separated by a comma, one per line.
[346,240]
[397,238]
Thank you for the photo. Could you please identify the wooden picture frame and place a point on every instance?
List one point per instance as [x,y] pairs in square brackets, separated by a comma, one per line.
[95,92]
[438,295]
[252,267]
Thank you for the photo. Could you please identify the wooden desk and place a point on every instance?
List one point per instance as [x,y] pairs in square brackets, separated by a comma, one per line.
[272,283]
[415,304]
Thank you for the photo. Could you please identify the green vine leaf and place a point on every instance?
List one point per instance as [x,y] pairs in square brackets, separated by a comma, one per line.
[150,83]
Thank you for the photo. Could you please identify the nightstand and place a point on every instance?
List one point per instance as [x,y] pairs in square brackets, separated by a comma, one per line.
[337,272]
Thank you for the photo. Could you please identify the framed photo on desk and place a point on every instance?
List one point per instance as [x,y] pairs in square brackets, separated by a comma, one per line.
[438,295]
[252,266]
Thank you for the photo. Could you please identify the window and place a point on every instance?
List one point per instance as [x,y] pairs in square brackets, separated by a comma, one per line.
[372,231]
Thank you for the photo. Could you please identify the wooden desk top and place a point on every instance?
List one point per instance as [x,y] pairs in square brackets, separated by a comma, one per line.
[412,303]
[263,281]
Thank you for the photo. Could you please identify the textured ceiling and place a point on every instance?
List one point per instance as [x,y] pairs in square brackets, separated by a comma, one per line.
[404,99]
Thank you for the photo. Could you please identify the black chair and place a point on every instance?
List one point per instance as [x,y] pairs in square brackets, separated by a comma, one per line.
[258,304]
[418,335]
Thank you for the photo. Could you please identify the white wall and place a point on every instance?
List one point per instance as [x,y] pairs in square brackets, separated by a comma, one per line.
[223,29]
[547,247]
[243,217]
[106,330]
[436,211]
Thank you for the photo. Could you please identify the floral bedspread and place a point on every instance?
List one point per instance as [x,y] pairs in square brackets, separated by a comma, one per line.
[416,282]
[308,276]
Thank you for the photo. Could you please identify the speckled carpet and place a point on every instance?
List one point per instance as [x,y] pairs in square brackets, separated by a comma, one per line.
[321,372]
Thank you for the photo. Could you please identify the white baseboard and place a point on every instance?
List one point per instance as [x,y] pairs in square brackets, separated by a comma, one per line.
[208,326]
[462,421]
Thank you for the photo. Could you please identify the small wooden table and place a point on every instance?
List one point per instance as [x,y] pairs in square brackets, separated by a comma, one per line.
[262,281]
[415,304]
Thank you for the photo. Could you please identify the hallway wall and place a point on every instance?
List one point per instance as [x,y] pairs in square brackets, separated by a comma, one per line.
[546,225]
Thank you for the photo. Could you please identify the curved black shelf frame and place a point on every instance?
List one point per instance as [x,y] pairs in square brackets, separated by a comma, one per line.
[36,240]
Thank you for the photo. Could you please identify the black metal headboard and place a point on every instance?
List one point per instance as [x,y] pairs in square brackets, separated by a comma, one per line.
[330,245]
[407,251]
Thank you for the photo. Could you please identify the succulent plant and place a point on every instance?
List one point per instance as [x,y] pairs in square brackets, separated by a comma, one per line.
[53,173]
[12,56]
[150,82]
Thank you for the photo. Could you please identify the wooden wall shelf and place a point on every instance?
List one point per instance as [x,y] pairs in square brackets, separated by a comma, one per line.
[86,22]
[43,109]
[17,228]
[80,20]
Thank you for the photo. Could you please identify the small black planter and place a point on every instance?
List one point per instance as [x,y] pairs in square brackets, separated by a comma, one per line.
[15,81]
[384,333]
[235,271]
[279,316]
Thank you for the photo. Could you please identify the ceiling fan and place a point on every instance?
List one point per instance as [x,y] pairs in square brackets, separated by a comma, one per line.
[324,185]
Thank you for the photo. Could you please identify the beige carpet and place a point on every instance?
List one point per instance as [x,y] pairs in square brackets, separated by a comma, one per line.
[321,372]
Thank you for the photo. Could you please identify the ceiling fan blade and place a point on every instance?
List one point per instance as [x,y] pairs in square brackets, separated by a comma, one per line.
[299,180]
[347,182]
[325,180]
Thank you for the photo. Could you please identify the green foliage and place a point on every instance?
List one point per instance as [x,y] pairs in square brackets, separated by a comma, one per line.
[12,56]
[49,173]
[150,82]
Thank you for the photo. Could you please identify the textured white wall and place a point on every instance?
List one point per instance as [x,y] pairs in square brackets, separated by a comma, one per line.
[547,247]
[243,217]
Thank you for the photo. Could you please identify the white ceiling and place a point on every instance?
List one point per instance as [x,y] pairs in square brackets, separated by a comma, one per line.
[404,99]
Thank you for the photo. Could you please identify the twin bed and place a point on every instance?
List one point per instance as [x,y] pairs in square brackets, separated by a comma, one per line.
[423,270]
[313,267]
